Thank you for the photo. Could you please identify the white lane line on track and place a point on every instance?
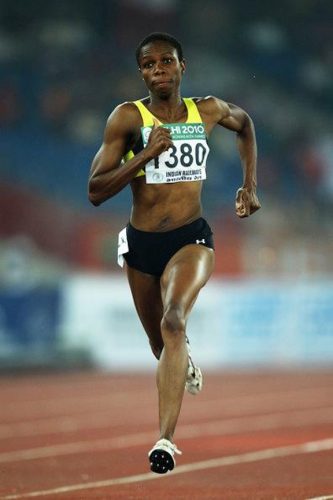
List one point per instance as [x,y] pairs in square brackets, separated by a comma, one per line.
[186,431]
[254,456]
[326,497]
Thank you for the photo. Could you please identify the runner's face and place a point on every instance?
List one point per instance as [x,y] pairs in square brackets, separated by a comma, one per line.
[160,68]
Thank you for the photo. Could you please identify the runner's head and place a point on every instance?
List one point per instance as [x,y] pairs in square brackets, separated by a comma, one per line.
[159,37]
[161,64]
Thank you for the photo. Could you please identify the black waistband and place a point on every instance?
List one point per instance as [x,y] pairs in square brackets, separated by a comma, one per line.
[192,225]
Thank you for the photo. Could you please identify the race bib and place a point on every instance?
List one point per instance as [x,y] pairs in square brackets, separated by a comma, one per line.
[185,160]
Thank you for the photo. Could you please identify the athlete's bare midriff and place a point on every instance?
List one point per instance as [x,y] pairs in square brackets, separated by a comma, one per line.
[166,206]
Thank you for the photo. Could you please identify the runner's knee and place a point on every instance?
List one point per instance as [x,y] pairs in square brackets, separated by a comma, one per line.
[173,321]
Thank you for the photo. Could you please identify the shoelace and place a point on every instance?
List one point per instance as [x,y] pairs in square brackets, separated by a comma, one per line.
[175,449]
[190,360]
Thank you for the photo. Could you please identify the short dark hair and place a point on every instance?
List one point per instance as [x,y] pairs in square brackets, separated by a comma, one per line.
[159,36]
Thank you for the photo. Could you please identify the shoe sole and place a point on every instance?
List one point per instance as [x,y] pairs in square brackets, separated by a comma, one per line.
[161,461]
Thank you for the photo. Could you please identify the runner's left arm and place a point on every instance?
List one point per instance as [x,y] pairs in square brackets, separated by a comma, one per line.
[236,119]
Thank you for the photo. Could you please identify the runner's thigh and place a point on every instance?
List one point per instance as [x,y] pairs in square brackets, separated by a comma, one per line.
[185,274]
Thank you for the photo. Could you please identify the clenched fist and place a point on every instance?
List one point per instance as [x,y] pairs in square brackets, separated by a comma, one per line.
[246,202]
[159,140]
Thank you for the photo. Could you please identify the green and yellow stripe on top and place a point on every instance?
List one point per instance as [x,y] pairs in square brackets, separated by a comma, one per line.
[193,116]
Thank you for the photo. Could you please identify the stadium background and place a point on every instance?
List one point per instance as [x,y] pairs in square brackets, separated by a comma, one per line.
[63,67]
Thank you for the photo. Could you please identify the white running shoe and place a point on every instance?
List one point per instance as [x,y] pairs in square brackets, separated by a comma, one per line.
[194,379]
[161,456]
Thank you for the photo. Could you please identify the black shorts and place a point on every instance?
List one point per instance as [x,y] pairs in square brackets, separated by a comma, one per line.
[149,252]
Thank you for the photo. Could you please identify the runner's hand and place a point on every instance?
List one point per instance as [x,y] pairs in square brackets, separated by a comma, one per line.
[159,140]
[246,202]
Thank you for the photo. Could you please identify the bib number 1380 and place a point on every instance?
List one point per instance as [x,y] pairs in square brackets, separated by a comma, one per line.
[184,155]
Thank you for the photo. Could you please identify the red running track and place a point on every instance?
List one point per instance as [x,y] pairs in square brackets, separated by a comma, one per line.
[246,436]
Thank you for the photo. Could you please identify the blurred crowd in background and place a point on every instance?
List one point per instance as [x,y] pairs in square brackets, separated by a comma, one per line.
[65,65]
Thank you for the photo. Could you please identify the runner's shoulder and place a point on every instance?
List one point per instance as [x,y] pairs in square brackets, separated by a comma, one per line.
[126,110]
[126,115]
[212,106]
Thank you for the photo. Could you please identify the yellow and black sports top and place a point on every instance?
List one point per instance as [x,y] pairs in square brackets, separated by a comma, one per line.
[186,159]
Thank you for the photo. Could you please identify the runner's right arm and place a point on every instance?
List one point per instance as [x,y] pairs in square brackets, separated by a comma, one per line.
[107,175]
